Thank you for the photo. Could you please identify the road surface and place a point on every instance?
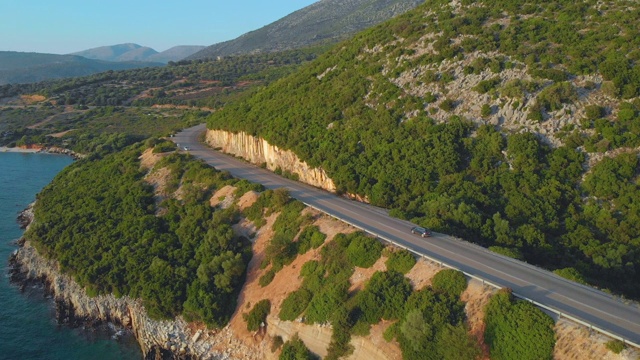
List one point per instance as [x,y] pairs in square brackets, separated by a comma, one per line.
[568,298]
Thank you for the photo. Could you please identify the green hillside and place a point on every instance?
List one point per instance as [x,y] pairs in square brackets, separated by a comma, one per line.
[511,124]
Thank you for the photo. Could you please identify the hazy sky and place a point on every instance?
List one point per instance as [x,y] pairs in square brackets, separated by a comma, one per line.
[65,26]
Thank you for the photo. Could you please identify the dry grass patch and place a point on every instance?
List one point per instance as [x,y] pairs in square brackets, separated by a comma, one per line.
[148,159]
[32,99]
[60,134]
[223,197]
[476,296]
[422,272]
[361,275]
[247,199]
[576,342]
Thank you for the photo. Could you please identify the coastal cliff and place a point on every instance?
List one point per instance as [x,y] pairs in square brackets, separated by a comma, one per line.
[258,151]
[158,339]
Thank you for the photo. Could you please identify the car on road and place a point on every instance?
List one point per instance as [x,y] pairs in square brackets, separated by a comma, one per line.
[186,148]
[421,231]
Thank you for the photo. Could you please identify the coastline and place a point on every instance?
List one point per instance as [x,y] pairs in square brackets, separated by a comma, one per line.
[158,339]
[18,150]
[42,150]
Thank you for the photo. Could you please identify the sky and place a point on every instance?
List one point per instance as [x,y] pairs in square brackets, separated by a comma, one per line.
[66,26]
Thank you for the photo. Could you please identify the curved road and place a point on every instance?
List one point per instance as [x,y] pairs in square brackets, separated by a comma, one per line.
[568,298]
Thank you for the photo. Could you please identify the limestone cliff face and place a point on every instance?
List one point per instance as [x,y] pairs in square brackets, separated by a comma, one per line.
[158,339]
[258,151]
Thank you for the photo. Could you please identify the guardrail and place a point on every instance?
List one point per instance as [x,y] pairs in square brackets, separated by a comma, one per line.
[485,282]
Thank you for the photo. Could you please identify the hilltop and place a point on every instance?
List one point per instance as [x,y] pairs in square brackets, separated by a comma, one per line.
[135,52]
[512,124]
[324,22]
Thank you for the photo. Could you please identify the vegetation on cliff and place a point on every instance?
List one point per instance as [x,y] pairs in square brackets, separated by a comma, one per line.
[100,221]
[517,329]
[395,115]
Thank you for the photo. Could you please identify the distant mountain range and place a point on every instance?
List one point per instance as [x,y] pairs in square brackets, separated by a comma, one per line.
[135,52]
[26,67]
[326,21]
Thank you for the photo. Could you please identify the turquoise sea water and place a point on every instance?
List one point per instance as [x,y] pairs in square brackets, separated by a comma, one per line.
[28,329]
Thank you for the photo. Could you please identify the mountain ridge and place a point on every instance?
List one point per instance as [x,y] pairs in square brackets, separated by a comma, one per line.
[21,67]
[322,22]
[134,52]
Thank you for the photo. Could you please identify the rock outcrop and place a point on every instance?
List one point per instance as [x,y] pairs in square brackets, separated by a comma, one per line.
[258,151]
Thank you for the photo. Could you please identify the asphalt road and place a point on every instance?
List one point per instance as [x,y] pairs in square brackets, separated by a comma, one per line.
[587,304]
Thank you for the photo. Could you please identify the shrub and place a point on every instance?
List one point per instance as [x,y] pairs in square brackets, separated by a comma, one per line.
[164,146]
[391,332]
[447,105]
[401,261]
[310,237]
[485,111]
[429,97]
[616,346]
[295,303]
[507,251]
[325,303]
[267,278]
[295,349]
[517,88]
[383,297]
[257,315]
[449,281]
[276,343]
[571,274]
[552,97]
[485,86]
[594,112]
[364,251]
[517,329]
[340,346]
[535,114]
[556,75]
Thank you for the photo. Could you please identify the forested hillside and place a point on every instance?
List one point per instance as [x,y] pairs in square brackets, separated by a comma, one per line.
[104,224]
[150,223]
[513,124]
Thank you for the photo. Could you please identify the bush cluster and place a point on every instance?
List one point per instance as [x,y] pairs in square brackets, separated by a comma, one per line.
[258,315]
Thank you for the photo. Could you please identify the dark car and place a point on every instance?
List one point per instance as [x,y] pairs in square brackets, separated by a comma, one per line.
[420,231]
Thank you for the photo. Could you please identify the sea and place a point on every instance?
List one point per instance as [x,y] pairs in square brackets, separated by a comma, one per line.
[28,329]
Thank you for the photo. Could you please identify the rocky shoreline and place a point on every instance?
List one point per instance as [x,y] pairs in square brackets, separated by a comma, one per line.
[157,339]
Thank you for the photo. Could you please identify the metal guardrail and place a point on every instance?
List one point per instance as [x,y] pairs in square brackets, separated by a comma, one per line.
[485,282]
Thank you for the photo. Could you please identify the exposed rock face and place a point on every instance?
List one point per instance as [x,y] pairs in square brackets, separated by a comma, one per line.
[258,151]
[26,216]
[158,339]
